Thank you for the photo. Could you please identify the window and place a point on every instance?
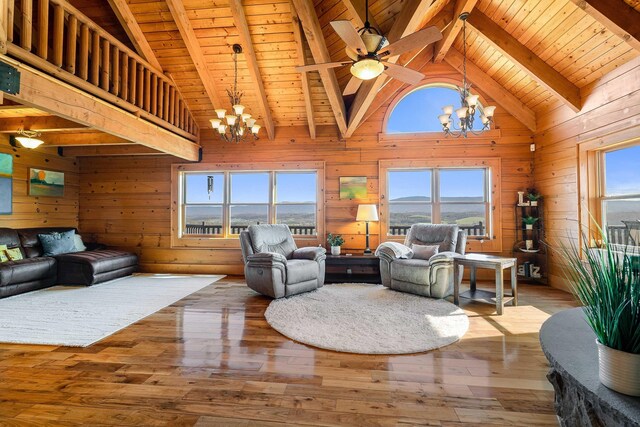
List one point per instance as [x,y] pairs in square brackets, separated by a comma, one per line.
[460,196]
[221,203]
[620,195]
[418,110]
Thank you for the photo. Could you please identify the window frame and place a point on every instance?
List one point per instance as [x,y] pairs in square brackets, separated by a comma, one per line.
[492,242]
[226,239]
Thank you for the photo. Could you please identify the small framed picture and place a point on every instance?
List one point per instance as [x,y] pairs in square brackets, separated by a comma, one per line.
[353,187]
[46,183]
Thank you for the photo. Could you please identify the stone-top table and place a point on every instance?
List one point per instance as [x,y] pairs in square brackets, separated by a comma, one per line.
[581,400]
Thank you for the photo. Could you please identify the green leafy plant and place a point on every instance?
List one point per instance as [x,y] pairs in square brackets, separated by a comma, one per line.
[336,240]
[607,283]
[533,195]
[529,220]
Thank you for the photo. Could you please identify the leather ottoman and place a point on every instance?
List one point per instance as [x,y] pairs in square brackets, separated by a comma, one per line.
[91,267]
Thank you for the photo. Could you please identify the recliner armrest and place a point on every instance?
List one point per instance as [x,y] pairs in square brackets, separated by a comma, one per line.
[393,250]
[311,253]
[266,259]
[444,258]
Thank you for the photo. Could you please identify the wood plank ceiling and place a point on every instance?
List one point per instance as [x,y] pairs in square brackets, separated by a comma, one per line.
[574,49]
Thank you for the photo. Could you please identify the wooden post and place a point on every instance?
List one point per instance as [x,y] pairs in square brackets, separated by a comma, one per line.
[95,58]
[140,87]
[115,71]
[106,57]
[133,75]
[26,31]
[42,49]
[172,105]
[165,109]
[70,51]
[154,94]
[58,34]
[83,55]
[124,73]
[147,90]
[160,99]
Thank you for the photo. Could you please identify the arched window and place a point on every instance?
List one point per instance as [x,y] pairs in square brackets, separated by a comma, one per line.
[419,109]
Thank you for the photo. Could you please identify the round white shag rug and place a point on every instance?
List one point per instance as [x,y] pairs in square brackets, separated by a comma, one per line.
[367,319]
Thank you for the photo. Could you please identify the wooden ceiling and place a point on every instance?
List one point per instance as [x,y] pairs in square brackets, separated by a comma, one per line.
[540,51]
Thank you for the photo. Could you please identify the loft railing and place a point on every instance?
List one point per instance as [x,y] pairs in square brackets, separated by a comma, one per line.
[54,37]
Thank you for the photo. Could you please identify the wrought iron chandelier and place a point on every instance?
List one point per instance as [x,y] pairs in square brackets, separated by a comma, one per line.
[237,125]
[463,125]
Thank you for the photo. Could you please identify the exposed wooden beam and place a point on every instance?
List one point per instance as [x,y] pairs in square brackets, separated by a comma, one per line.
[486,83]
[240,21]
[318,46]
[617,16]
[110,150]
[406,22]
[451,32]
[46,93]
[83,139]
[298,36]
[357,10]
[38,123]
[195,50]
[131,27]
[528,61]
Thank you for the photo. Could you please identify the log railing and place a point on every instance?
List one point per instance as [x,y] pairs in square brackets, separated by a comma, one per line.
[56,38]
[207,229]
[472,230]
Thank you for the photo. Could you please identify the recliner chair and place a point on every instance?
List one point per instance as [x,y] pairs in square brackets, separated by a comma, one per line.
[431,278]
[275,267]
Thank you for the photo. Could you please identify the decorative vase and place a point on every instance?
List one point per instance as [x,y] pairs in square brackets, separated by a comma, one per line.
[528,226]
[619,370]
[335,250]
[534,203]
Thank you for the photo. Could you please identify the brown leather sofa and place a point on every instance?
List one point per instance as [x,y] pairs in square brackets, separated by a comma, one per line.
[36,271]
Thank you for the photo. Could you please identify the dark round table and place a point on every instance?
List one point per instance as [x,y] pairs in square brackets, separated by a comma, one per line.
[581,400]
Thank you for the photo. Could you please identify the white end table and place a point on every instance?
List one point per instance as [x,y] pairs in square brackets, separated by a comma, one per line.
[496,263]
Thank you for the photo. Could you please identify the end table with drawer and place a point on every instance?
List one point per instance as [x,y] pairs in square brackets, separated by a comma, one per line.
[356,268]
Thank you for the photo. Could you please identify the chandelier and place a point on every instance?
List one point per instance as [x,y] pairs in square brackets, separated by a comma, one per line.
[237,125]
[469,103]
[29,138]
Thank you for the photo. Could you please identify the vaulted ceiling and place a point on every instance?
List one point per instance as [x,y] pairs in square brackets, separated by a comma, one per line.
[541,51]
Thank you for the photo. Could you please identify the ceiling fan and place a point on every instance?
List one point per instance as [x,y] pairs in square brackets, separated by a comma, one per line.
[368,48]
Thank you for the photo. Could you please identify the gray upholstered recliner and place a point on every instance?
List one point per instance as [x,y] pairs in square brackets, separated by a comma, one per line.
[431,278]
[275,267]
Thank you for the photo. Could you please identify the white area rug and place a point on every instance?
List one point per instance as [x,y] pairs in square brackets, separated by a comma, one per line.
[80,316]
[367,319]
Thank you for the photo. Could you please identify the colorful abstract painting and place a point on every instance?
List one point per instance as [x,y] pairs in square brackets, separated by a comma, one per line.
[6,184]
[46,183]
[353,187]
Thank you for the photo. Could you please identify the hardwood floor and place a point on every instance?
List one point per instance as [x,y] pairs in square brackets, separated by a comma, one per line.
[211,359]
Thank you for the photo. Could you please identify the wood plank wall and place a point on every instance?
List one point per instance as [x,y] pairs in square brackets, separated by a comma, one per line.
[610,114]
[125,202]
[41,211]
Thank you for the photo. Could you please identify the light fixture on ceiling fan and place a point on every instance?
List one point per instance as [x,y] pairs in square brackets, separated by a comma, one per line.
[469,103]
[367,48]
[239,125]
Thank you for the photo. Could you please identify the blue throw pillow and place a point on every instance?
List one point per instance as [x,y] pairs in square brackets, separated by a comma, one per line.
[58,243]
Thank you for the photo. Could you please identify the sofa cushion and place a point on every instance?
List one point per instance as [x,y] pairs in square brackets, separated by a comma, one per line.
[9,237]
[272,238]
[79,244]
[98,261]
[29,239]
[27,270]
[56,243]
[301,270]
[14,254]
[411,270]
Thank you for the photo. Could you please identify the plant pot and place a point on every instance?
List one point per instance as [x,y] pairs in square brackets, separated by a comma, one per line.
[335,250]
[534,203]
[528,244]
[528,226]
[619,370]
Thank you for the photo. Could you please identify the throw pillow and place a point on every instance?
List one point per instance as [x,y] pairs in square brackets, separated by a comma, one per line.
[57,243]
[79,244]
[14,254]
[424,251]
[3,255]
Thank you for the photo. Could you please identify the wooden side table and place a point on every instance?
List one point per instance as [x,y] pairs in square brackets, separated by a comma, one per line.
[352,269]
[475,261]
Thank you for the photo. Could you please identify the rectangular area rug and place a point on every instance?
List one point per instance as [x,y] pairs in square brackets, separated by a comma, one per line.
[80,316]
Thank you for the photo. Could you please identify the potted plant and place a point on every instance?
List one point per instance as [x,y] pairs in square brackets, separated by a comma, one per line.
[335,242]
[529,221]
[533,196]
[607,283]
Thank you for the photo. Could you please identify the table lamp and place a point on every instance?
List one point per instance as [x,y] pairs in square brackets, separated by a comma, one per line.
[367,213]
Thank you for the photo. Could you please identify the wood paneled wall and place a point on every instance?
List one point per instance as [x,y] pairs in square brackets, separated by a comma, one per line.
[125,202]
[611,114]
[31,211]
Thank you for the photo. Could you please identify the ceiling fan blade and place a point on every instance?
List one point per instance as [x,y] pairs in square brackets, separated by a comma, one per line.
[413,41]
[353,86]
[350,36]
[403,74]
[319,67]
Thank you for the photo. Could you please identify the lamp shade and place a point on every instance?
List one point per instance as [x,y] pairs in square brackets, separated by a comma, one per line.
[28,142]
[367,213]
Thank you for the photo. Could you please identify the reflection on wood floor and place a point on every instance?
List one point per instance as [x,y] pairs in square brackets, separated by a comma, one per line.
[211,359]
